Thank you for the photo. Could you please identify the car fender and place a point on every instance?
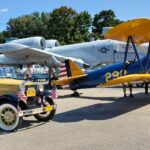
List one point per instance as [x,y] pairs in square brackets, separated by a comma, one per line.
[10,98]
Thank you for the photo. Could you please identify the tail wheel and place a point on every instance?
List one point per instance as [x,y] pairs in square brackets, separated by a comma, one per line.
[46,116]
[9,119]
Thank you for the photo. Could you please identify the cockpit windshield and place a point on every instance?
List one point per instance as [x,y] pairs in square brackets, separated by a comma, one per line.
[7,72]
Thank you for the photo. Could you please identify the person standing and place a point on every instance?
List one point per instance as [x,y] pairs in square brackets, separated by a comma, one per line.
[27,73]
[130,89]
[146,88]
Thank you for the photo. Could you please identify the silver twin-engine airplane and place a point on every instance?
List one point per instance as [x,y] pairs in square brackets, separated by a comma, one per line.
[48,52]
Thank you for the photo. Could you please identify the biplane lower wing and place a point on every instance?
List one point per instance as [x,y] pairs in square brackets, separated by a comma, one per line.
[128,79]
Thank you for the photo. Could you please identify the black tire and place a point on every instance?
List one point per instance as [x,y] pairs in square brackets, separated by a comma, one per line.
[47,115]
[9,119]
[140,84]
[75,94]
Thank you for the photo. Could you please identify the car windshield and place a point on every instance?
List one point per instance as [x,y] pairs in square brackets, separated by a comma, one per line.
[7,72]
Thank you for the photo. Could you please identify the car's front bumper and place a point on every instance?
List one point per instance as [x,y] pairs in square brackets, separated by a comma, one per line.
[34,111]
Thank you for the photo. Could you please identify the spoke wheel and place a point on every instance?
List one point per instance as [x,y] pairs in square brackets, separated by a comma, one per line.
[9,119]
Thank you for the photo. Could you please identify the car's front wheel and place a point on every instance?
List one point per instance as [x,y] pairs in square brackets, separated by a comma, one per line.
[9,119]
[46,116]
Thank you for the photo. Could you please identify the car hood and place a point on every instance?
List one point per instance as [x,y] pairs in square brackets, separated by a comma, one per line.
[14,82]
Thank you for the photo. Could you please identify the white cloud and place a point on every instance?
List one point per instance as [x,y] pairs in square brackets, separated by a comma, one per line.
[4,10]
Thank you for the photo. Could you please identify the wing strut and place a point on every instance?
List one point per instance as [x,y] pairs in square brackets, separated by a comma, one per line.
[130,40]
[147,62]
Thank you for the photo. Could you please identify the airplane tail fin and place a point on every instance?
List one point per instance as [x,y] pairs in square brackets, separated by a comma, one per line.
[70,69]
[69,72]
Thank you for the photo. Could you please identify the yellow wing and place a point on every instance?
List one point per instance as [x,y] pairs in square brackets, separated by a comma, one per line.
[139,29]
[68,80]
[128,79]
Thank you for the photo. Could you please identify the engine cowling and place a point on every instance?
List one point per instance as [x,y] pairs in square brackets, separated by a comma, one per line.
[52,43]
[35,42]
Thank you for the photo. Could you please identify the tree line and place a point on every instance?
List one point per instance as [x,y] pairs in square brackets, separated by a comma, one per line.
[63,24]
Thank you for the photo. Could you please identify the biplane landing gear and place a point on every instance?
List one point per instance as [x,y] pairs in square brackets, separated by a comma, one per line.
[75,94]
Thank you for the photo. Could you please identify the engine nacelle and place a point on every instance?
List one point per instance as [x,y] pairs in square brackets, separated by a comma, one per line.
[35,42]
[52,43]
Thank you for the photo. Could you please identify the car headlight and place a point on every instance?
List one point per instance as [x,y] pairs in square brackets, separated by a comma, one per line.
[41,87]
[21,88]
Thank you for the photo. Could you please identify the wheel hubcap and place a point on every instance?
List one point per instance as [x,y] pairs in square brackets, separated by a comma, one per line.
[8,116]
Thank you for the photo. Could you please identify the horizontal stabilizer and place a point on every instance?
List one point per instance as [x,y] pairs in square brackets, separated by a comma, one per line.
[128,79]
[68,80]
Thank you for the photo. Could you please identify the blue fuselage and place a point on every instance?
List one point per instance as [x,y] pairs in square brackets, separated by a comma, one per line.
[99,76]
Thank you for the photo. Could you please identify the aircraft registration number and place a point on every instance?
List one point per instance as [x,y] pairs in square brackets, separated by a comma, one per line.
[114,74]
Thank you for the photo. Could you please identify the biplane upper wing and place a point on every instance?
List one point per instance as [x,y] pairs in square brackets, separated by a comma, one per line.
[137,28]
[132,78]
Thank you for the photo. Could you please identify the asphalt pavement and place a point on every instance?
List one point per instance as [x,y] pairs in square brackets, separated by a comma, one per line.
[101,119]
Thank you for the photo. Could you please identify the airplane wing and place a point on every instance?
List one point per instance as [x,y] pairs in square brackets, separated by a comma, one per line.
[133,78]
[137,28]
[19,51]
[22,51]
[68,80]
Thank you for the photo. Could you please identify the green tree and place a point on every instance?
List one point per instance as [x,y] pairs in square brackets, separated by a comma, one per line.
[45,20]
[25,26]
[68,26]
[2,38]
[82,24]
[61,23]
[105,18]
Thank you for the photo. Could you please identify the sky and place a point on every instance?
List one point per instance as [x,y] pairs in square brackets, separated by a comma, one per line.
[124,9]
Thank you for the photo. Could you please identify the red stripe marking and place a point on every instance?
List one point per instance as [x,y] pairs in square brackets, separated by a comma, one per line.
[64,75]
[63,71]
